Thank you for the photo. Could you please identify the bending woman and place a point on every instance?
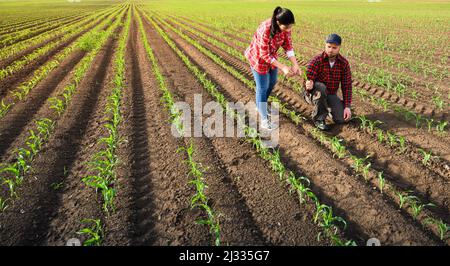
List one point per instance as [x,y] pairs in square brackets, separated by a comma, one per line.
[262,55]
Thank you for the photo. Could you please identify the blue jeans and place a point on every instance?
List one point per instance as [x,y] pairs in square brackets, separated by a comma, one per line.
[264,86]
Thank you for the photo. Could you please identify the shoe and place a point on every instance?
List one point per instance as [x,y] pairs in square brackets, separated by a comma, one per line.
[266,124]
[320,124]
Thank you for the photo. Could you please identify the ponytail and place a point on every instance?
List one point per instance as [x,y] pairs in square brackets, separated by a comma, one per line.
[274,28]
[284,16]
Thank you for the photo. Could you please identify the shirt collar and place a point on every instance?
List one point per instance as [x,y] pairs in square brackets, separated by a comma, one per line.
[325,56]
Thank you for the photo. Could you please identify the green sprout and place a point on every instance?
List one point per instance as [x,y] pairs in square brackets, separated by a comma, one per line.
[94,233]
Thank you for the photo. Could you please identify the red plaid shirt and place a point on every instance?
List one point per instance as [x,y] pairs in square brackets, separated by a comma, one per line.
[319,70]
[260,54]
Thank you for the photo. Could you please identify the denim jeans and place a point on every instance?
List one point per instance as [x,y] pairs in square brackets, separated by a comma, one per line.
[264,86]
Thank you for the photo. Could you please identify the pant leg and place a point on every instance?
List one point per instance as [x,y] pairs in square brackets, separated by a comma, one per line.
[273,76]
[262,85]
[318,98]
[337,108]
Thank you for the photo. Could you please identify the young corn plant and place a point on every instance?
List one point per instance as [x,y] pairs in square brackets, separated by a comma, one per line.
[438,102]
[358,163]
[200,200]
[11,184]
[417,206]
[372,124]
[392,139]
[57,105]
[4,108]
[366,171]
[3,204]
[327,221]
[297,185]
[440,127]
[430,124]
[380,135]
[402,143]
[94,232]
[381,181]
[276,164]
[403,197]
[418,119]
[426,157]
[364,121]
[443,228]
[338,147]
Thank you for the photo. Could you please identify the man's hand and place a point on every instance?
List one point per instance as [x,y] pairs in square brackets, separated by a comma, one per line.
[347,114]
[309,85]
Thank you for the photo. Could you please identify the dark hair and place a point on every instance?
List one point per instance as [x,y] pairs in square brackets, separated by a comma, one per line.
[284,16]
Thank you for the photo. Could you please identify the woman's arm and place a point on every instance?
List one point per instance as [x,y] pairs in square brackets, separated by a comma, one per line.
[289,49]
[286,70]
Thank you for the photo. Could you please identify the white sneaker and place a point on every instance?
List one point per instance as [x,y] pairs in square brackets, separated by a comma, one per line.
[266,124]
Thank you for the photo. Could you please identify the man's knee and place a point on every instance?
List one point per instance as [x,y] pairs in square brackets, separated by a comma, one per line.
[321,88]
[340,121]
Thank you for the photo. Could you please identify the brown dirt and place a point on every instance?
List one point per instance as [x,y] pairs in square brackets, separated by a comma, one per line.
[368,213]
[152,204]
[257,210]
[43,215]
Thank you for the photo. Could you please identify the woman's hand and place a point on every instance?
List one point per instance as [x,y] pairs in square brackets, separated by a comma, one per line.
[295,70]
[286,70]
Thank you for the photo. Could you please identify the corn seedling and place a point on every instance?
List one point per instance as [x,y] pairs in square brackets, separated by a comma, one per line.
[381,180]
[426,157]
[438,102]
[94,233]
[417,206]
[418,119]
[57,105]
[297,185]
[363,121]
[11,184]
[366,170]
[414,95]
[57,186]
[338,148]
[212,221]
[441,225]
[440,127]
[392,139]
[3,204]
[358,163]
[327,221]
[403,197]
[429,124]
[372,124]
[380,135]
[4,108]
[402,143]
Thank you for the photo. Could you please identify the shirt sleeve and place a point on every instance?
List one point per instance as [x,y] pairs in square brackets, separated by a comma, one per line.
[346,85]
[287,44]
[312,70]
[263,43]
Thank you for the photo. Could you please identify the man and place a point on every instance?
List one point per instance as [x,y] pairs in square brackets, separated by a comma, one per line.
[324,74]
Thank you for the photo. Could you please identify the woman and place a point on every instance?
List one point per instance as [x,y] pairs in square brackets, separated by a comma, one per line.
[262,55]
